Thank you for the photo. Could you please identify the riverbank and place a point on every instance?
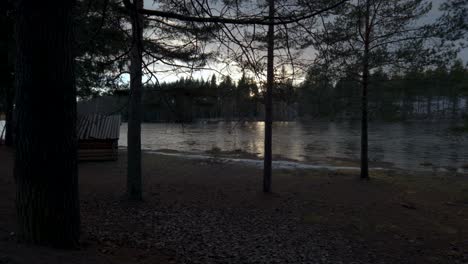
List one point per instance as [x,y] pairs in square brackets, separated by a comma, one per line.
[207,211]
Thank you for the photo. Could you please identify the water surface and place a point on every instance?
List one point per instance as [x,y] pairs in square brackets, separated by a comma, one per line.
[415,146]
[2,133]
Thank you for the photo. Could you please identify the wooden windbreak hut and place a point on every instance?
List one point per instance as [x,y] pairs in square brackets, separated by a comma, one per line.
[98,137]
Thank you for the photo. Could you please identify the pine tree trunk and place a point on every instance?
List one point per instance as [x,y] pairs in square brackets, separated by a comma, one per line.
[134,188]
[9,114]
[364,128]
[269,103]
[466,105]
[6,71]
[46,147]
[364,110]
[429,106]
[454,107]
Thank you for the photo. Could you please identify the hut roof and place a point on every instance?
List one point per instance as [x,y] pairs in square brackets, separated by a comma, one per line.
[96,126]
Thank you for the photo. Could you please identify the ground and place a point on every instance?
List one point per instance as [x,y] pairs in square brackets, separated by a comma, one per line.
[207,211]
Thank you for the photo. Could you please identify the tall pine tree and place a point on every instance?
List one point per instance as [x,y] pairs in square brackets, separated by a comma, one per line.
[46,146]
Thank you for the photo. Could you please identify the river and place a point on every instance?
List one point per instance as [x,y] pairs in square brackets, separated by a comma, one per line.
[2,132]
[414,145]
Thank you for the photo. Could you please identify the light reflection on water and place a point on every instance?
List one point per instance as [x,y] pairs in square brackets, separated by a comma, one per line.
[405,145]
[2,124]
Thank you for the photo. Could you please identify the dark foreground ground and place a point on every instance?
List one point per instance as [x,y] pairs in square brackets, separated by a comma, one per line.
[212,212]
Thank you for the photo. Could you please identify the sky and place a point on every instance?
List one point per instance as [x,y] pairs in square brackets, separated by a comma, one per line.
[235,73]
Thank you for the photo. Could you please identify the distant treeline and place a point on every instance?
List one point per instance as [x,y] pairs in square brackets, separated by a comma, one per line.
[414,94]
[438,93]
[188,99]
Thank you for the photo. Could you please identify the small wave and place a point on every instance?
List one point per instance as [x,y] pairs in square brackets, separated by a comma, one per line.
[277,164]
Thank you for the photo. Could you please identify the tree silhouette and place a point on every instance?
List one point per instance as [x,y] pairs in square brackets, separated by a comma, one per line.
[46,146]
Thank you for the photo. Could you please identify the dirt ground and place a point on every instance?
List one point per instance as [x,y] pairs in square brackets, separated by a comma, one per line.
[206,211]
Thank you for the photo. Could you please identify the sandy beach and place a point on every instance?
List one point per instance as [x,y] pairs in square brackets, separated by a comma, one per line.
[209,211]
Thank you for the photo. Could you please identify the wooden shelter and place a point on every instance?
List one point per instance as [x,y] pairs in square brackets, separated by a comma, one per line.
[98,137]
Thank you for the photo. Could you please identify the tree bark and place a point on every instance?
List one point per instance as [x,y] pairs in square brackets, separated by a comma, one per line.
[134,188]
[429,106]
[7,69]
[46,147]
[9,114]
[454,106]
[269,103]
[364,110]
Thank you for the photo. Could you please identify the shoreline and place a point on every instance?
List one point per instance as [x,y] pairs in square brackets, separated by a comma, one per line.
[280,162]
[258,163]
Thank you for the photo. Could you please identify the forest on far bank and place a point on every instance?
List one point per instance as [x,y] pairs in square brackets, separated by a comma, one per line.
[423,94]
